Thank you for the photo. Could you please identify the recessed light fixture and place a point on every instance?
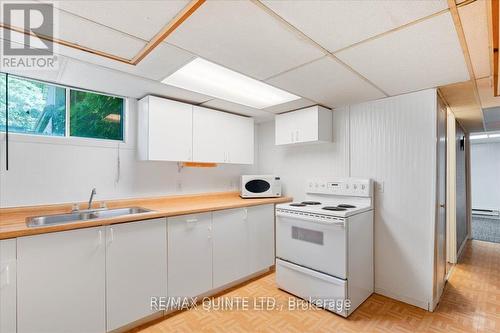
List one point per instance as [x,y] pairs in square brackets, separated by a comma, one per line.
[210,79]
[478,137]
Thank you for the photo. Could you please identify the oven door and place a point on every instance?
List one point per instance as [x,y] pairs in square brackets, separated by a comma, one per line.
[318,245]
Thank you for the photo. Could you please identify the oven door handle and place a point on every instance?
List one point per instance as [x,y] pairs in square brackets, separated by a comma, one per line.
[311,219]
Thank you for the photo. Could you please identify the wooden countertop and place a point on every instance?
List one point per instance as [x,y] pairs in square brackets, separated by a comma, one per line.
[13,220]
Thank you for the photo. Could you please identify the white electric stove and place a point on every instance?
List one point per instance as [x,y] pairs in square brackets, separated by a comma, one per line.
[324,244]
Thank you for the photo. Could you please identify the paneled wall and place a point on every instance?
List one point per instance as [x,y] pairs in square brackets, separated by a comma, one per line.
[56,170]
[393,141]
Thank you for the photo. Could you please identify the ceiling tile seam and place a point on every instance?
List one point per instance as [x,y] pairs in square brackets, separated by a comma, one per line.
[401,27]
[100,24]
[280,19]
[465,51]
[247,75]
[294,68]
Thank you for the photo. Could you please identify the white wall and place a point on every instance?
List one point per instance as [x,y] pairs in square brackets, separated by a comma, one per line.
[46,170]
[485,175]
[393,141]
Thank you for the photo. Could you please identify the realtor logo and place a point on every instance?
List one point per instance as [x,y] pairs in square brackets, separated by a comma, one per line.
[27,26]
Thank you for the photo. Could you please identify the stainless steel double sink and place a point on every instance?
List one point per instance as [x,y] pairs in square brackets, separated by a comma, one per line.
[83,215]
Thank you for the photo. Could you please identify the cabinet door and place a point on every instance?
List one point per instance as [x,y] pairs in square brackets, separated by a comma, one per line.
[306,125]
[239,132]
[8,286]
[230,246]
[136,269]
[261,237]
[284,128]
[208,135]
[61,282]
[170,130]
[189,255]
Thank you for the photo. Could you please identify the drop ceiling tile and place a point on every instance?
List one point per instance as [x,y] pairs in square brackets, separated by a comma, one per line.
[143,19]
[92,35]
[238,109]
[327,82]
[241,36]
[337,24]
[474,22]
[290,106]
[420,56]
[485,89]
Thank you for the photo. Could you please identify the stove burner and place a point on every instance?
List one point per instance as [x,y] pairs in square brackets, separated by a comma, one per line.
[334,208]
[311,202]
[298,204]
[346,206]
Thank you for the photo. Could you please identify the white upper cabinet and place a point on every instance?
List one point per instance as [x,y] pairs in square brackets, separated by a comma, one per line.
[165,130]
[222,137]
[174,131]
[309,125]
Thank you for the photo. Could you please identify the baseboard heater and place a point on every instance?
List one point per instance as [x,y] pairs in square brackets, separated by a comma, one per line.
[491,213]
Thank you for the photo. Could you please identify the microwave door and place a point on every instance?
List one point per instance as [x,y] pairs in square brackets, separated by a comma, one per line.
[257,186]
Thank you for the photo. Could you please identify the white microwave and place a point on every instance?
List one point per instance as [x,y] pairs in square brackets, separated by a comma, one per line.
[260,186]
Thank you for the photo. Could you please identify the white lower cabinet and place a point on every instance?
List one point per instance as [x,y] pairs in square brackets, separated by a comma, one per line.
[136,269]
[189,255]
[61,282]
[8,286]
[261,237]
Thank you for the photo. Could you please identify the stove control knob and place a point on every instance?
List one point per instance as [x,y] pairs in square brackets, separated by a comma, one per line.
[355,186]
[363,187]
[316,185]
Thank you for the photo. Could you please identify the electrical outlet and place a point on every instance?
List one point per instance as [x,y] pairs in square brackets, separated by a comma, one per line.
[379,186]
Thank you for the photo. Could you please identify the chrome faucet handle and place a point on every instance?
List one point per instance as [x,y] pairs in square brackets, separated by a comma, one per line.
[103,205]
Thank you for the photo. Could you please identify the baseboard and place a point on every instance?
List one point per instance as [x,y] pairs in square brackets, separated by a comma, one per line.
[418,303]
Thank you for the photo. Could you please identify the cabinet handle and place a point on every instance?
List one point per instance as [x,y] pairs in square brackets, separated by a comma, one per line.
[209,232]
[228,157]
[7,274]
[100,237]
[296,136]
[246,214]
[291,136]
[111,234]
[192,220]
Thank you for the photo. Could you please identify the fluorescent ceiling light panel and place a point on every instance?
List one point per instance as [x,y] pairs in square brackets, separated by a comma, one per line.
[480,136]
[210,79]
[494,135]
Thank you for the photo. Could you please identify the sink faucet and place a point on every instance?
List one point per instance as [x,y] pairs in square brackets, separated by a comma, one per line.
[92,197]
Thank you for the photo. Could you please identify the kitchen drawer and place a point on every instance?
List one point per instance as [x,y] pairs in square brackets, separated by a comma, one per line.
[324,290]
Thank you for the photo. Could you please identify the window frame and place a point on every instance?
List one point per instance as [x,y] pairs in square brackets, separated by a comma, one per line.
[67,138]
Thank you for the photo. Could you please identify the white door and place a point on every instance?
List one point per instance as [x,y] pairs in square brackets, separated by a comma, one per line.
[261,237]
[318,245]
[440,236]
[170,130]
[8,286]
[189,255]
[239,132]
[61,282]
[230,246]
[136,269]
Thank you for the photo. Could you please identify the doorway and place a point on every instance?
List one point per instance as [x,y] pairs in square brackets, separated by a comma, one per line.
[485,182]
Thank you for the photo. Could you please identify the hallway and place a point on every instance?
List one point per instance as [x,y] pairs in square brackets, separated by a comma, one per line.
[471,303]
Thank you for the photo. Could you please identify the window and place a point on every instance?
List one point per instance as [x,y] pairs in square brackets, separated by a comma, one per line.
[96,116]
[34,107]
[40,108]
